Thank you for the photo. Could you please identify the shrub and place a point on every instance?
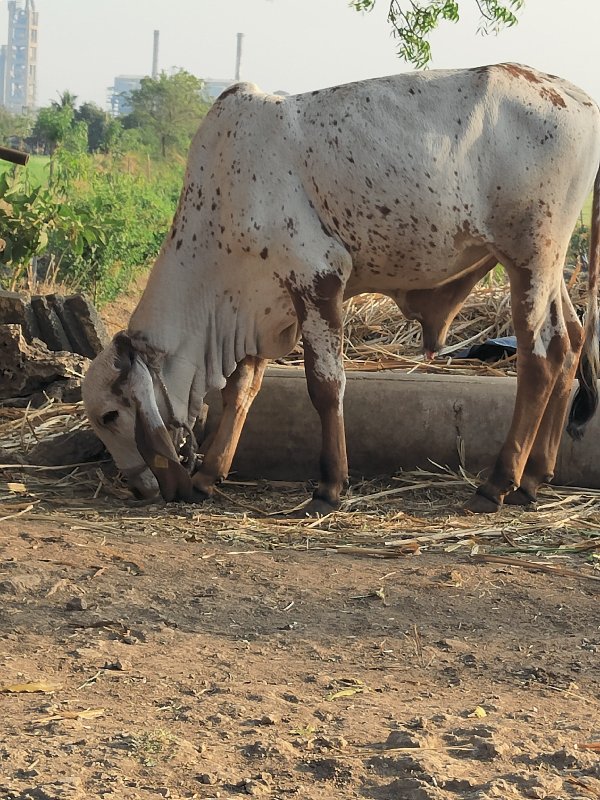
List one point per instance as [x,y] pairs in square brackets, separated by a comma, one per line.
[97,222]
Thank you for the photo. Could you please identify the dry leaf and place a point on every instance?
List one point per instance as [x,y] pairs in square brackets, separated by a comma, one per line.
[17,488]
[19,688]
[478,712]
[345,693]
[86,713]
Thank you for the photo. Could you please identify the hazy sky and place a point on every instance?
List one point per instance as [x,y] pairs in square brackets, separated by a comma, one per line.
[294,45]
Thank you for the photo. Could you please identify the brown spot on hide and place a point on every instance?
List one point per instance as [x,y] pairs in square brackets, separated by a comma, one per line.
[232,90]
[520,72]
[264,253]
[553,96]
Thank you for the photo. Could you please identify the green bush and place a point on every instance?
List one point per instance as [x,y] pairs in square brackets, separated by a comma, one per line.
[96,223]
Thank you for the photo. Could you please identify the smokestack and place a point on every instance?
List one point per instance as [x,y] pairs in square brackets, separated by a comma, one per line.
[238,58]
[155,56]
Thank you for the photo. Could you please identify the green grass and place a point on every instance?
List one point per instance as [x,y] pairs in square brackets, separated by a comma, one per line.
[587,211]
[37,168]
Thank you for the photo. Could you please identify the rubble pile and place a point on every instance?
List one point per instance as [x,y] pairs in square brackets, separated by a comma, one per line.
[46,344]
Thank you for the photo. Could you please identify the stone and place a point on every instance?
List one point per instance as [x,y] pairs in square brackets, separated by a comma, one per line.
[19,584]
[28,367]
[16,310]
[401,739]
[92,327]
[207,778]
[76,604]
[10,457]
[51,329]
[67,448]
[77,339]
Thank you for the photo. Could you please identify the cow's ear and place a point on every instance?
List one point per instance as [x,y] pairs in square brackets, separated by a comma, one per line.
[156,448]
[153,441]
[124,352]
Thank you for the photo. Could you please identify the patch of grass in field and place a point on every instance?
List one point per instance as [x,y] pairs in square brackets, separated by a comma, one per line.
[36,169]
[587,211]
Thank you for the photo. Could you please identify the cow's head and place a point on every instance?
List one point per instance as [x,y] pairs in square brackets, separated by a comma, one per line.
[120,401]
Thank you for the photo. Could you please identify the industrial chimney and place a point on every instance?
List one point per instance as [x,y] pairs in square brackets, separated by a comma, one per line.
[238,58]
[155,56]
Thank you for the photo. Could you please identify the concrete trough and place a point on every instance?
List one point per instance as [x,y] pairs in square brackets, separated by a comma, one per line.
[394,421]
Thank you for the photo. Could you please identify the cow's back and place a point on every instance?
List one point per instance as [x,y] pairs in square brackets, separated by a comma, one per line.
[410,173]
[407,169]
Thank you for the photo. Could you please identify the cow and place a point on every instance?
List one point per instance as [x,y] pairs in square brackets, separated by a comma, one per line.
[413,186]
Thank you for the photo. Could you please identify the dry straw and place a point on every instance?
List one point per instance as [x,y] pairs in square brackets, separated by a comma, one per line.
[394,518]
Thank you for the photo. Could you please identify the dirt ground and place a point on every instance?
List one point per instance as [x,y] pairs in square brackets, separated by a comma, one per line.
[193,652]
[214,652]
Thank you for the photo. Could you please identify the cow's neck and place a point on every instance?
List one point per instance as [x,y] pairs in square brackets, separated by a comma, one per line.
[197,332]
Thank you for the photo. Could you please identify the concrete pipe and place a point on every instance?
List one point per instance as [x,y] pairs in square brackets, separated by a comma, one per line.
[393,421]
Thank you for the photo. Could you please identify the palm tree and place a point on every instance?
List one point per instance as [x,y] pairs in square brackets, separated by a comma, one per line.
[65,100]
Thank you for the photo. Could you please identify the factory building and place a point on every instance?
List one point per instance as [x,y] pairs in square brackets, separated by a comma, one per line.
[18,58]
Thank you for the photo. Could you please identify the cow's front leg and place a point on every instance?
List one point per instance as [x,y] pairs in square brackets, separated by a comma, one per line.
[322,334]
[241,389]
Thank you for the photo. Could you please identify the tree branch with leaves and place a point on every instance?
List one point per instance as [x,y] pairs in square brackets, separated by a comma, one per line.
[413,21]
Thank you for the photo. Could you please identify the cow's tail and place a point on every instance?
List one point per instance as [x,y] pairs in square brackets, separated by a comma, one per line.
[585,401]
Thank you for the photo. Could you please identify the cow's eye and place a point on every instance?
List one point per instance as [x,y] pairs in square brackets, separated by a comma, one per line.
[109,417]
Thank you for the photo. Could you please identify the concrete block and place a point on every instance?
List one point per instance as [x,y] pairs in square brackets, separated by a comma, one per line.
[393,421]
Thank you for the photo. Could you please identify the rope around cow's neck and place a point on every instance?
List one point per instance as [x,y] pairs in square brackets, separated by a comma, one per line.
[176,425]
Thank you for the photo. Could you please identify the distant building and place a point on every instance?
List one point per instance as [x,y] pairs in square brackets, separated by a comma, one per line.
[18,58]
[119,93]
[212,87]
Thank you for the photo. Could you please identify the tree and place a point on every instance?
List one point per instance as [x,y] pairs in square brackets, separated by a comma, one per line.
[65,100]
[14,127]
[103,130]
[52,125]
[414,20]
[167,109]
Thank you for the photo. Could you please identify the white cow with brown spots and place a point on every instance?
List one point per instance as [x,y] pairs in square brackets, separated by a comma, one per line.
[414,186]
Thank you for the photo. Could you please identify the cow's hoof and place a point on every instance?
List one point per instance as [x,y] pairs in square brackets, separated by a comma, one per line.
[202,488]
[199,496]
[314,508]
[140,502]
[520,498]
[480,504]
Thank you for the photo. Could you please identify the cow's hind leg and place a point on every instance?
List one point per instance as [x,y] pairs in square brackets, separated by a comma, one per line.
[540,464]
[241,389]
[544,347]
[320,314]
